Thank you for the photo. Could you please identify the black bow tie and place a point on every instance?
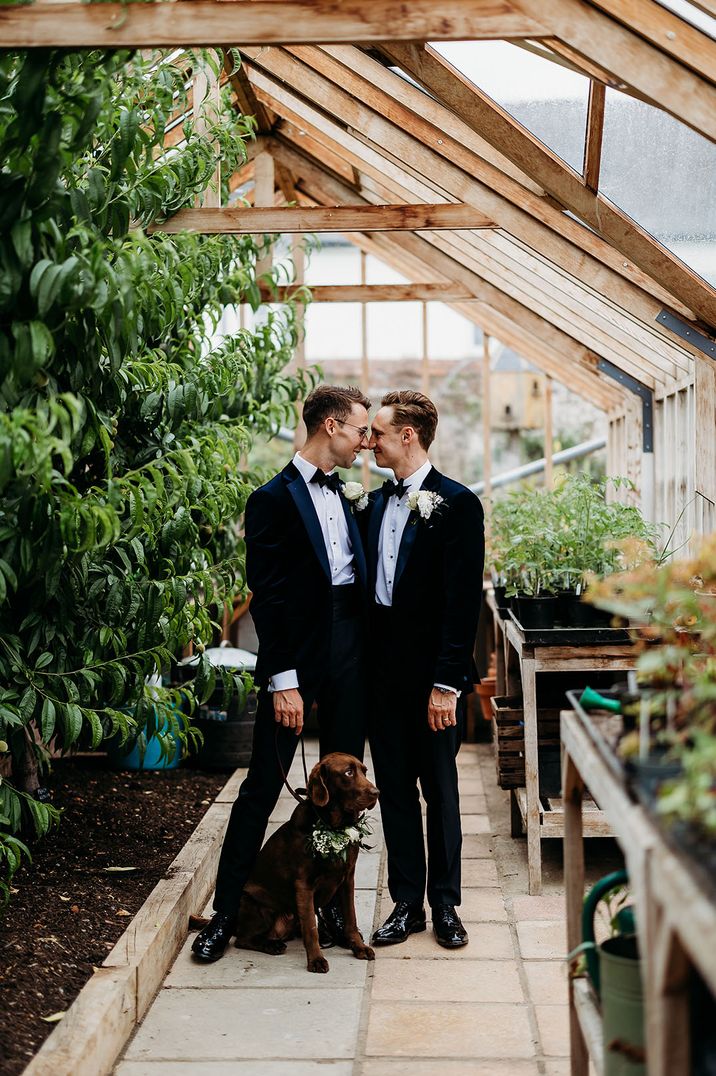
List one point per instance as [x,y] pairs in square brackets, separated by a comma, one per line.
[331,480]
[394,489]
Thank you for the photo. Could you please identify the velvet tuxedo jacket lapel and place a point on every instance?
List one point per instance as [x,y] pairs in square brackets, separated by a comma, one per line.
[302,498]
[413,525]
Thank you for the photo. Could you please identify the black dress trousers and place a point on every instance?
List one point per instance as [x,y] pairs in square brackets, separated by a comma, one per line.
[340,699]
[406,752]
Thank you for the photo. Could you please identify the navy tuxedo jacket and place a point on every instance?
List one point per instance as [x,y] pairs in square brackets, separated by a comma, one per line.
[438,584]
[289,576]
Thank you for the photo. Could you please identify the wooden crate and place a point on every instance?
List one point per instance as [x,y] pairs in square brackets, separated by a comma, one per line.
[508,734]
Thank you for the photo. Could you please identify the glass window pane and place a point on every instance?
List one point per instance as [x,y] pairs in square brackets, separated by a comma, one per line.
[548,100]
[663,175]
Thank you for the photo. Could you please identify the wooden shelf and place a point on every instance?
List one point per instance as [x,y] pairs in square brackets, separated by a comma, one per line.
[551,816]
[590,1021]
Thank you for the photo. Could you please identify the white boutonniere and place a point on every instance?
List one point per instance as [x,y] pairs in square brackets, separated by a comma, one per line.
[328,843]
[424,502]
[355,495]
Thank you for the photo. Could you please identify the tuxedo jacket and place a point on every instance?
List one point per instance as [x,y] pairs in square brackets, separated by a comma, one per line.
[437,586]
[289,576]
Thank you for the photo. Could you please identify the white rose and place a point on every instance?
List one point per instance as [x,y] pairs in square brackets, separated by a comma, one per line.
[352,834]
[413,500]
[353,491]
[425,503]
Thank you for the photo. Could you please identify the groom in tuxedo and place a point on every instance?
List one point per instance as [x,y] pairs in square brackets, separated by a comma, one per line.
[425,551]
[306,571]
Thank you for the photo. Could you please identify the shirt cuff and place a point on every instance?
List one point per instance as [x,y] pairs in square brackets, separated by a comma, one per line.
[449,687]
[283,681]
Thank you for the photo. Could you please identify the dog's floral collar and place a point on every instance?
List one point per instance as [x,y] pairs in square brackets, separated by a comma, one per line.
[328,843]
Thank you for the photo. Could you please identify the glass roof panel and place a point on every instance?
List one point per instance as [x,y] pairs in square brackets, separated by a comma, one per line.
[691,13]
[550,101]
[663,175]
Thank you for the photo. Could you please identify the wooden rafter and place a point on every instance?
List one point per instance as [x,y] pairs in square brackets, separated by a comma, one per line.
[593,147]
[497,127]
[286,219]
[591,325]
[374,293]
[411,156]
[556,348]
[206,22]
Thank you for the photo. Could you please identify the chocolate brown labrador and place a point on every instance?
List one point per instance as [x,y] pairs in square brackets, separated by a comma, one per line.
[289,880]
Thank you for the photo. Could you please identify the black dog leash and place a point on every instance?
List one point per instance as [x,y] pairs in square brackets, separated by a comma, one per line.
[299,794]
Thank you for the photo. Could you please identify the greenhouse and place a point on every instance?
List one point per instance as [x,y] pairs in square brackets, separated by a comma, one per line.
[358,537]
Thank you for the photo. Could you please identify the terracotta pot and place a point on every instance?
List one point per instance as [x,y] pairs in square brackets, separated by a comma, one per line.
[485,690]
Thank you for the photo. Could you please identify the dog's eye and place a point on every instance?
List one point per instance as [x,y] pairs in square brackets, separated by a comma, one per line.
[349,773]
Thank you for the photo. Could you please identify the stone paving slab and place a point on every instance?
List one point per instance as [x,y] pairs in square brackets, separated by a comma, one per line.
[415,1029]
[479,872]
[479,905]
[488,941]
[425,980]
[542,939]
[553,1024]
[420,1067]
[221,1025]
[235,1068]
[547,980]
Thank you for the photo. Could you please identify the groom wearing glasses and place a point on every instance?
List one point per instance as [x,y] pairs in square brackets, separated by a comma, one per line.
[307,574]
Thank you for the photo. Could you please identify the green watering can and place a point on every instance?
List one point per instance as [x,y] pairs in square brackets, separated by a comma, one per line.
[615,971]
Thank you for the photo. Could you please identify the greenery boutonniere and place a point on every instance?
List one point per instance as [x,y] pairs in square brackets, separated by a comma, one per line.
[329,843]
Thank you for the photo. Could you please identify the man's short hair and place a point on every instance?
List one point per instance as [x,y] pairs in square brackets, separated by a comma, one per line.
[413,409]
[331,401]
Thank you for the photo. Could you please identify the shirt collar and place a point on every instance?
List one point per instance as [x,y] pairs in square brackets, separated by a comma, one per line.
[416,479]
[306,469]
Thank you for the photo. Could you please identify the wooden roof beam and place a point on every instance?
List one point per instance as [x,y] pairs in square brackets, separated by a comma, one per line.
[263,22]
[366,218]
[373,293]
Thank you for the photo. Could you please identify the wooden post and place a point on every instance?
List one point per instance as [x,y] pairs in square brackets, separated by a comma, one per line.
[425,368]
[364,361]
[299,355]
[548,435]
[486,419]
[264,182]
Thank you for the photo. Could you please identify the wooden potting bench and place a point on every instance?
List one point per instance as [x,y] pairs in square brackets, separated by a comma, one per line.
[521,656]
[675,911]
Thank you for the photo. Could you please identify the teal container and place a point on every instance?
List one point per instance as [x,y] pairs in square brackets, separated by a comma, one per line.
[622,1006]
[126,757]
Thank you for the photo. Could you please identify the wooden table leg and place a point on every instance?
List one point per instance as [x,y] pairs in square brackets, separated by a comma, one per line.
[532,823]
[572,793]
[666,1000]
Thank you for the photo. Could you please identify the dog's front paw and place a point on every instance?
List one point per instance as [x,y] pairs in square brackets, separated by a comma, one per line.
[363,952]
[318,964]
[275,948]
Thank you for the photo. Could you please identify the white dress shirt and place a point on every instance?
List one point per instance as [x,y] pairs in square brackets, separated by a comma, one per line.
[334,529]
[394,521]
[395,518]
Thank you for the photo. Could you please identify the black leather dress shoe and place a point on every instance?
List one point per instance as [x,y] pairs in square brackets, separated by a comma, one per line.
[404,920]
[448,929]
[331,927]
[210,943]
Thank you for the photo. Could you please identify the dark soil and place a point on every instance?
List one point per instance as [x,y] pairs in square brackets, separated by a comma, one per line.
[69,909]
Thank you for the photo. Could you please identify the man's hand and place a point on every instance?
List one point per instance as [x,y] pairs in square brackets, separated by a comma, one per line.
[288,709]
[441,709]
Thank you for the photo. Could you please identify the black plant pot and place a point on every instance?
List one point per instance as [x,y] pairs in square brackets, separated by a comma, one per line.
[501,601]
[564,608]
[536,612]
[588,616]
[649,774]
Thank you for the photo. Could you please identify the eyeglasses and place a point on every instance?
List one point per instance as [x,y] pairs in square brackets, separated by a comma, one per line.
[362,430]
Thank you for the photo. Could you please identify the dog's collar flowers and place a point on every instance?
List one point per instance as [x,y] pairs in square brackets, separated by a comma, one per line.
[424,502]
[355,495]
[328,843]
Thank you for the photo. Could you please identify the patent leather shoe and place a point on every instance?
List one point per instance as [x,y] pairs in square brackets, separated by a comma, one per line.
[211,942]
[449,931]
[405,919]
[331,927]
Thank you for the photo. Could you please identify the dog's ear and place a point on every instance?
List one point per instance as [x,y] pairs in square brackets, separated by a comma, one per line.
[317,791]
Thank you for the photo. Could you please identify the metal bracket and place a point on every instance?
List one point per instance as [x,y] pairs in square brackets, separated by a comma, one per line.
[639,389]
[687,332]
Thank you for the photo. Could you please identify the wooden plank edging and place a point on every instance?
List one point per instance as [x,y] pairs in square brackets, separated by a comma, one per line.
[105,1013]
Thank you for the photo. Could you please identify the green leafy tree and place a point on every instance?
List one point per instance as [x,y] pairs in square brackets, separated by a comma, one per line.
[123,424]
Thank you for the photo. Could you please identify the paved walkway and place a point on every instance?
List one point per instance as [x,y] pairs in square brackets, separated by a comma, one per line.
[495,1008]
